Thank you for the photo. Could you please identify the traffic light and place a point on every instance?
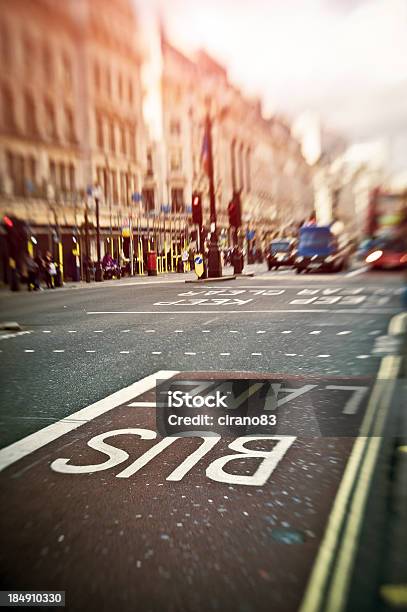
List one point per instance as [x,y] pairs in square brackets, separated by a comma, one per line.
[235,211]
[197,208]
[17,235]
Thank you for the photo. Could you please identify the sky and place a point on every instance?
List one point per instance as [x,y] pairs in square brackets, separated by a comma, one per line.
[345,59]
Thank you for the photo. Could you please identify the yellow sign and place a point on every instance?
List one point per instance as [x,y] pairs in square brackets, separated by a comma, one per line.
[126,232]
[199,265]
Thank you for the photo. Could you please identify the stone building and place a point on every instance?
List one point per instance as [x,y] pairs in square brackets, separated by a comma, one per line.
[71,119]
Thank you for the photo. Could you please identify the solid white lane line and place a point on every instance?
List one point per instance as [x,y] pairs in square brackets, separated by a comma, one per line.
[29,444]
[343,333]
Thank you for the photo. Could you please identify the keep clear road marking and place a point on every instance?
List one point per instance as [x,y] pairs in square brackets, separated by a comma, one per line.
[30,444]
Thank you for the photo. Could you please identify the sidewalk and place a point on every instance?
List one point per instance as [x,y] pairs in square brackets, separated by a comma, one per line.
[170,277]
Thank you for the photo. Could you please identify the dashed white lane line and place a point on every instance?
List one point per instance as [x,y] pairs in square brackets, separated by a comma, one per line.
[91,351]
[206,331]
[58,351]
[125,331]
[156,352]
[287,331]
[315,332]
[150,331]
[224,354]
[261,331]
[178,331]
[256,354]
[324,355]
[375,332]
[98,331]
[124,352]
[290,354]
[344,333]
[189,353]
[71,331]
[233,331]
[46,331]
[362,356]
[29,351]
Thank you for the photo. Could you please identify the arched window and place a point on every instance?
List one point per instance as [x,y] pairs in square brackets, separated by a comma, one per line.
[31,125]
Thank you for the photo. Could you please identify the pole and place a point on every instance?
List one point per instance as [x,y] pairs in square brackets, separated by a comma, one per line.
[214,260]
[99,271]
[87,270]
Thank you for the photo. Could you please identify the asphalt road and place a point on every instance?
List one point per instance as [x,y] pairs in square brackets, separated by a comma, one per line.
[212,536]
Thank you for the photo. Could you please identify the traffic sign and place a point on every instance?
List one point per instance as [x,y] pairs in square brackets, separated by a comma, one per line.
[199,265]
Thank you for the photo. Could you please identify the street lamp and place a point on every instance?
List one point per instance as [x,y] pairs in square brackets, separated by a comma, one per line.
[97,194]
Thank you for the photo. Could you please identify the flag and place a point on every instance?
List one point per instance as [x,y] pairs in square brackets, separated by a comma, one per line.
[205,151]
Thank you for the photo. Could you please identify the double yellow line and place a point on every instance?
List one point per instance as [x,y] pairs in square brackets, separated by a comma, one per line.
[330,582]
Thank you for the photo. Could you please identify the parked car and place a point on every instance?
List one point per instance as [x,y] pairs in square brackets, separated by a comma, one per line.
[388,253]
[318,249]
[280,253]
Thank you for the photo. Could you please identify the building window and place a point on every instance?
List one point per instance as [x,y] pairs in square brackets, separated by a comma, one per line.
[123,147]
[175,127]
[99,132]
[131,93]
[112,139]
[72,180]
[150,169]
[15,167]
[132,137]
[52,173]
[66,70]
[48,63]
[115,193]
[109,82]
[120,86]
[177,200]
[50,121]
[62,176]
[8,115]
[5,45]
[30,116]
[148,200]
[175,160]
[123,187]
[69,126]
[97,76]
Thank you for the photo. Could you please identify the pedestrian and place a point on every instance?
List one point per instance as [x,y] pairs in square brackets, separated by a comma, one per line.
[32,269]
[51,271]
